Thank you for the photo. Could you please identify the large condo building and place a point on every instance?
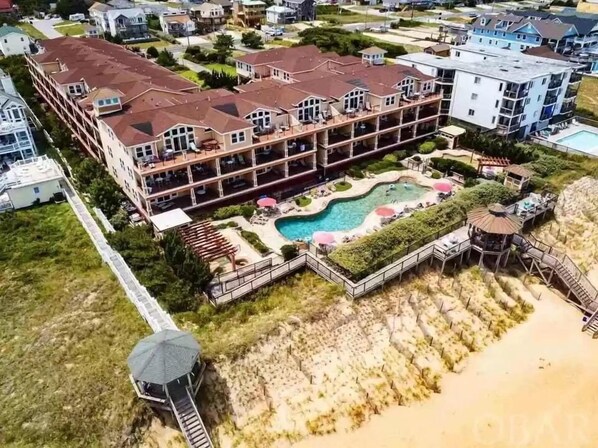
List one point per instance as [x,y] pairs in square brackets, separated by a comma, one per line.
[511,93]
[167,143]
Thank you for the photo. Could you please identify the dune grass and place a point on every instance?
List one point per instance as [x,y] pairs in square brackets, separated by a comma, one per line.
[32,31]
[232,329]
[66,329]
[587,97]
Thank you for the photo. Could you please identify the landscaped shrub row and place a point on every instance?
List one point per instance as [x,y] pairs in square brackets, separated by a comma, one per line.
[253,239]
[389,162]
[372,252]
[450,165]
[245,210]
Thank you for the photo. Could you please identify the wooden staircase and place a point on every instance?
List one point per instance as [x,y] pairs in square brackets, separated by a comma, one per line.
[189,420]
[577,283]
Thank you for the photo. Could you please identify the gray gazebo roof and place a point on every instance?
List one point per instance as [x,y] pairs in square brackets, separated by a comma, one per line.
[163,357]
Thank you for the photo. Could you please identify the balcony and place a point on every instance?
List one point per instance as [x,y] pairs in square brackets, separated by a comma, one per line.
[555,83]
[298,146]
[388,121]
[361,148]
[166,182]
[337,137]
[234,163]
[427,111]
[567,108]
[300,166]
[264,156]
[337,156]
[570,93]
[512,111]
[409,116]
[364,128]
[270,176]
[178,202]
[202,171]
[8,146]
[516,93]
[207,194]
[387,140]
[426,128]
[236,186]
[575,77]
[171,160]
[550,99]
[407,133]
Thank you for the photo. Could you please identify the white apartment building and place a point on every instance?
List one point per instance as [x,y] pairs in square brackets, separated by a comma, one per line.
[16,140]
[494,89]
[14,41]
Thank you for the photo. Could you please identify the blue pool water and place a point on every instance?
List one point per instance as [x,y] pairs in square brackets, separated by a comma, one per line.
[346,214]
[584,141]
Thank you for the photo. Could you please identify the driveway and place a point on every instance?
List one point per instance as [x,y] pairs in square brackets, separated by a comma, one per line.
[46,26]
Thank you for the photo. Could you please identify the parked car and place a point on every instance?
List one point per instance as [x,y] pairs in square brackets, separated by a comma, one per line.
[274,32]
[379,29]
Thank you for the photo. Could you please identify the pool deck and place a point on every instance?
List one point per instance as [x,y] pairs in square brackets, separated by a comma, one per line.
[573,128]
[274,239]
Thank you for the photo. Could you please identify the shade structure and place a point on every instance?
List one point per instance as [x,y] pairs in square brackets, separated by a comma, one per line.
[163,357]
[385,212]
[494,219]
[443,187]
[323,238]
[266,202]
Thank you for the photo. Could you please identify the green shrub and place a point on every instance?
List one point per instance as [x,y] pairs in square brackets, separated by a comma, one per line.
[226,225]
[342,186]
[152,52]
[427,147]
[449,165]
[390,158]
[436,175]
[546,165]
[400,155]
[355,172]
[303,201]
[441,143]
[253,239]
[372,252]
[245,210]
[289,251]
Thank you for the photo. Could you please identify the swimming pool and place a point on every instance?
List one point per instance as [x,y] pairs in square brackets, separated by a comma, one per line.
[346,214]
[584,141]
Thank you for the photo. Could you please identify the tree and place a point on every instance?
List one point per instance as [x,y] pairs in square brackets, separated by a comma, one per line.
[120,220]
[185,263]
[166,59]
[289,251]
[67,7]
[223,47]
[106,195]
[86,172]
[251,39]
[218,80]
[152,52]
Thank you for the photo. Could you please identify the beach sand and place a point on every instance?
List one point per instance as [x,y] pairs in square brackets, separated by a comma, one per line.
[533,388]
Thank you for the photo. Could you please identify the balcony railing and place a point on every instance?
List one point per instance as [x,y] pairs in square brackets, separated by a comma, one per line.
[236,186]
[233,164]
[269,177]
[364,129]
[511,111]
[408,118]
[299,166]
[388,122]
[13,147]
[267,157]
[575,77]
[555,83]
[168,182]
[298,146]
[570,93]
[334,138]
[206,195]
[550,99]
[202,172]
[513,94]
[335,157]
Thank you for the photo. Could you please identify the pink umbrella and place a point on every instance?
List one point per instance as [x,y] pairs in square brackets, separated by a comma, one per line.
[266,202]
[385,212]
[444,187]
[323,238]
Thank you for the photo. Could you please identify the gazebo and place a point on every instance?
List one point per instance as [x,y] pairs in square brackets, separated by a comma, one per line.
[164,363]
[491,231]
[517,177]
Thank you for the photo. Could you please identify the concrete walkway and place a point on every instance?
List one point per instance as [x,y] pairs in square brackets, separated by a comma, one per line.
[46,26]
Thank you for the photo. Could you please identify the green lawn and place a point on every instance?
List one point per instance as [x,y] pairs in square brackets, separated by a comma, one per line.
[32,31]
[587,97]
[157,44]
[66,329]
[64,23]
[71,30]
[222,67]
[281,42]
[191,76]
[348,18]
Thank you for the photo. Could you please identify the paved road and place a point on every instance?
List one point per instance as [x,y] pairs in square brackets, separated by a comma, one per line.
[46,26]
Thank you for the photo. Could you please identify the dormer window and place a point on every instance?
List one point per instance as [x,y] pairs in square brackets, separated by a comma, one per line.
[108,102]
[354,99]
[76,89]
[261,119]
[309,109]
[178,139]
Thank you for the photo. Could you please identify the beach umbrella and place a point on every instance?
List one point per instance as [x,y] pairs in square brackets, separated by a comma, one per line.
[443,187]
[385,212]
[323,238]
[266,202]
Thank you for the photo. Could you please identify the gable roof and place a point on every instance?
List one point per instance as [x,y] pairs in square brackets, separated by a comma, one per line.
[373,50]
[278,54]
[6,29]
[101,7]
[545,28]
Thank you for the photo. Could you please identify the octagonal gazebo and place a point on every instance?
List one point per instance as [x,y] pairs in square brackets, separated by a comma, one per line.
[163,364]
[491,231]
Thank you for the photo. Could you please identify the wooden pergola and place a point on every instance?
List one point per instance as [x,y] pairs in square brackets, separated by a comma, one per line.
[207,242]
[492,161]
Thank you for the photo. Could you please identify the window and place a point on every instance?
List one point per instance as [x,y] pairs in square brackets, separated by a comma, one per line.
[178,139]
[458,53]
[495,33]
[143,151]
[309,109]
[261,118]
[539,98]
[524,37]
[493,119]
[389,100]
[535,113]
[480,40]
[76,89]
[543,81]
[354,99]
[518,36]
[531,84]
[527,101]
[471,112]
[496,104]
[122,164]
[523,117]
[36,190]
[237,137]
[474,96]
[500,86]
[489,42]
[477,80]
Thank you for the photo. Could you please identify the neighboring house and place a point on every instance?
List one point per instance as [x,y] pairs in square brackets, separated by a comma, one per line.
[14,41]
[513,94]
[30,181]
[7,8]
[373,56]
[280,15]
[227,7]
[587,6]
[249,13]
[91,30]
[170,145]
[208,17]
[16,140]
[177,24]
[304,9]
[128,23]
[456,31]
[439,50]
